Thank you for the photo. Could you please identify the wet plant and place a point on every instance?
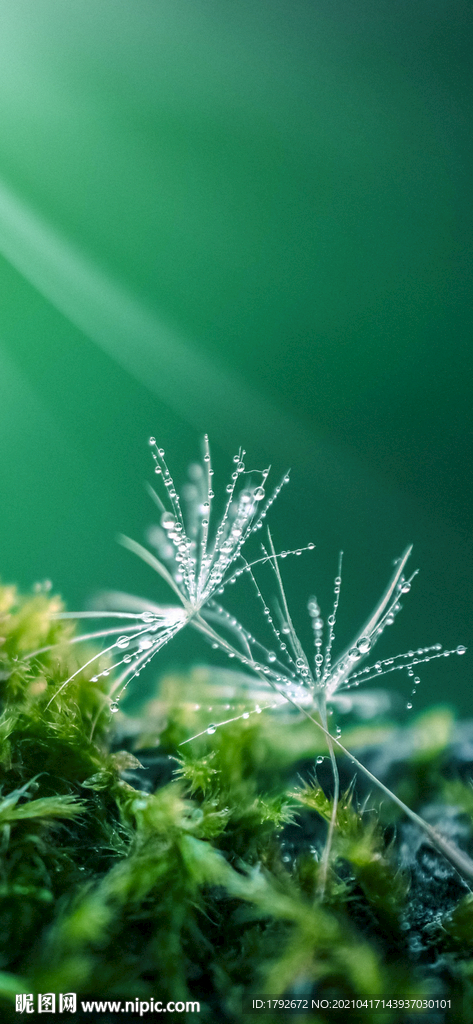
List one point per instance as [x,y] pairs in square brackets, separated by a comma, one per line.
[195,560]
[198,560]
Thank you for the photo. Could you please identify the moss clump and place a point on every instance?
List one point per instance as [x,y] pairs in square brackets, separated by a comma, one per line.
[133,867]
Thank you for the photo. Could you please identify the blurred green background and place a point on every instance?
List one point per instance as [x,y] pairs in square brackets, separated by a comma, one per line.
[250,217]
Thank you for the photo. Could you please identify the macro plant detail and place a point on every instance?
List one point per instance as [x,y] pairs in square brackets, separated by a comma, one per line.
[198,561]
[195,562]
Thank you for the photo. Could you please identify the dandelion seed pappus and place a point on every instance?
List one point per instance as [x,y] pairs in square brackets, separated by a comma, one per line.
[198,554]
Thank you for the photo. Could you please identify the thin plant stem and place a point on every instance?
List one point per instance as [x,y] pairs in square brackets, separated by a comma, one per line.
[458,858]
[336,793]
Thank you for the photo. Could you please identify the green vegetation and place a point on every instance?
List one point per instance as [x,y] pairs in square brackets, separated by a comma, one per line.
[133,866]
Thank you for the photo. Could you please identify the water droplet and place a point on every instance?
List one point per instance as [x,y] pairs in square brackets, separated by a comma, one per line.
[300,663]
[338,580]
[319,759]
[114,707]
[258,494]
[271,656]
[331,620]
[258,709]
[310,546]
[404,587]
[409,705]
[168,520]
[211,729]
[354,653]
[246,714]
[229,488]
[319,659]
[123,641]
[363,644]
[152,440]
[461,649]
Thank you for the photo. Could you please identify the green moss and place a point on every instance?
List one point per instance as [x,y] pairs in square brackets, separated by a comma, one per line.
[206,887]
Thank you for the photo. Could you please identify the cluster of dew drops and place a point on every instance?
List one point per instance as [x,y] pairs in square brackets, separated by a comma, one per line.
[204,564]
[402,662]
[231,533]
[364,644]
[299,669]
